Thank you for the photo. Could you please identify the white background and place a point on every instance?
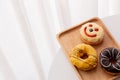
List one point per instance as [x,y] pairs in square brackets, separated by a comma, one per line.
[28,31]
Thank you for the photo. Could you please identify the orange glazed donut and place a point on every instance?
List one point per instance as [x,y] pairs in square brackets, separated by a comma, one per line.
[84,57]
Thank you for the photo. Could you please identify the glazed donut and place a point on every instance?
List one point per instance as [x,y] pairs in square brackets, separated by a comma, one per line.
[110,60]
[84,57]
[91,33]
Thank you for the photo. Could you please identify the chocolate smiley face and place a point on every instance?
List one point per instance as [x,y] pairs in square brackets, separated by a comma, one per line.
[91,33]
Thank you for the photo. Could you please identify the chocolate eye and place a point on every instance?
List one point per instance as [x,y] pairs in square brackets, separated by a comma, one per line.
[96,29]
[90,25]
[91,30]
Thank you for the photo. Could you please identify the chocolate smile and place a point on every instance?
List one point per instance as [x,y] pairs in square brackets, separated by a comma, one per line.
[94,35]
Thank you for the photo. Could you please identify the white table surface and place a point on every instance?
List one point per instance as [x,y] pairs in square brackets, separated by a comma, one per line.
[61,68]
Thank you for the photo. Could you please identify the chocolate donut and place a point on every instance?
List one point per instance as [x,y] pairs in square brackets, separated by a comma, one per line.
[110,60]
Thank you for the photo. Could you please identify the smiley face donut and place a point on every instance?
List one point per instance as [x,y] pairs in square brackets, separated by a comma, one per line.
[84,57]
[91,33]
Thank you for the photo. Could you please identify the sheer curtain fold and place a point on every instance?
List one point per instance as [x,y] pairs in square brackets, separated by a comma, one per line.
[108,7]
[6,72]
[26,28]
[63,12]
[114,7]
[38,29]
[81,10]
[103,8]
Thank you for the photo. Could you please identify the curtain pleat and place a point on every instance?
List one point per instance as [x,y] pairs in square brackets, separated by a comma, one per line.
[114,7]
[103,8]
[81,10]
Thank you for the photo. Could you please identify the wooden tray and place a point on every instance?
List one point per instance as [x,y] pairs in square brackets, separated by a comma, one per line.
[71,37]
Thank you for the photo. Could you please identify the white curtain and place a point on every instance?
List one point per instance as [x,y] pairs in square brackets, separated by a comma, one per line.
[28,31]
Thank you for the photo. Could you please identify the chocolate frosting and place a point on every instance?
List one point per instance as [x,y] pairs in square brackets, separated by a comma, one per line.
[110,60]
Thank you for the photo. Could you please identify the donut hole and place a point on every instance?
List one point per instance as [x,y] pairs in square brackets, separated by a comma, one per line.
[84,56]
[112,60]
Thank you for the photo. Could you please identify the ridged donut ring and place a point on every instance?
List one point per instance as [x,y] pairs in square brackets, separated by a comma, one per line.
[84,57]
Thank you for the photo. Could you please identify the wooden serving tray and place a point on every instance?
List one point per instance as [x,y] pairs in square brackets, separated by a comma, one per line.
[71,37]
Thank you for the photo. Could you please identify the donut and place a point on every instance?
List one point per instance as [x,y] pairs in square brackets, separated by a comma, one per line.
[91,33]
[84,57]
[110,60]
